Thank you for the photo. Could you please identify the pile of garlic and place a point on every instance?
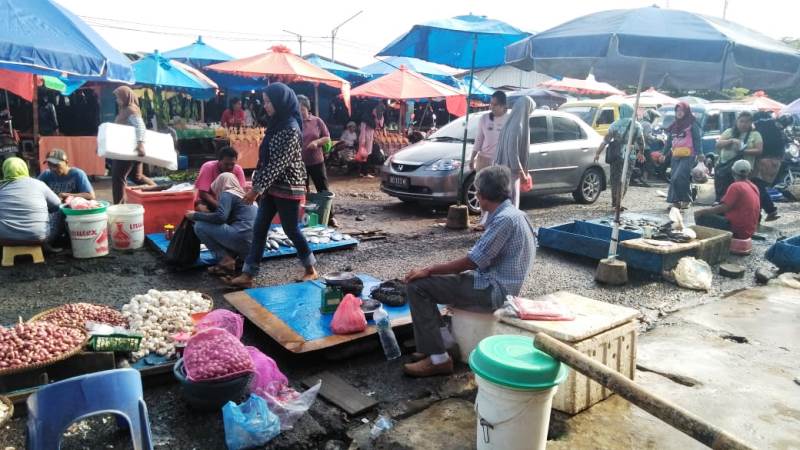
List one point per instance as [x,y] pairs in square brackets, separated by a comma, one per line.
[158,315]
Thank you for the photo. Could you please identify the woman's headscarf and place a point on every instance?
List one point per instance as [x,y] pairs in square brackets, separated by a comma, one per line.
[514,143]
[625,111]
[286,116]
[14,169]
[227,182]
[679,125]
[130,104]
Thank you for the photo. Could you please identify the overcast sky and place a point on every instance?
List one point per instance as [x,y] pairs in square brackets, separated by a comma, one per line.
[246,27]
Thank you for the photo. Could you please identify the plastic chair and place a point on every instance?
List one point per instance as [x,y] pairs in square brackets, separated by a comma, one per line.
[54,407]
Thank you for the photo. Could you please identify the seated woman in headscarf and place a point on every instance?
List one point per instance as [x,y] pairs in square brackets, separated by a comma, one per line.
[228,231]
[29,210]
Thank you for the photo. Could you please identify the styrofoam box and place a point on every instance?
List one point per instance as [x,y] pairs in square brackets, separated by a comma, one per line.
[119,142]
[602,331]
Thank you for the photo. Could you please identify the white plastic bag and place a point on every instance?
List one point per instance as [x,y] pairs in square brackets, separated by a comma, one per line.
[700,173]
[693,273]
[119,142]
[788,279]
[290,405]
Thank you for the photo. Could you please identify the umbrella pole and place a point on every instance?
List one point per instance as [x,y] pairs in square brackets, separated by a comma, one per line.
[316,100]
[612,250]
[466,121]
[10,119]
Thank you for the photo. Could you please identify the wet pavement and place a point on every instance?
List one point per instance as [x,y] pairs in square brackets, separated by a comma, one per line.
[416,238]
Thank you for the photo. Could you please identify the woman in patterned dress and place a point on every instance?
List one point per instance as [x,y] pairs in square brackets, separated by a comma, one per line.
[279,180]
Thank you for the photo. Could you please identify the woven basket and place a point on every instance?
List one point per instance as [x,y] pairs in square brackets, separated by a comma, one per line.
[46,312]
[78,348]
[9,413]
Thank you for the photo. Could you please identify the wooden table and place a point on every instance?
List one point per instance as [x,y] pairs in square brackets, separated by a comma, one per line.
[81,151]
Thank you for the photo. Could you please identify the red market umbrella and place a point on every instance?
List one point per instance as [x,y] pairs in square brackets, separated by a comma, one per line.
[589,86]
[404,84]
[763,103]
[280,64]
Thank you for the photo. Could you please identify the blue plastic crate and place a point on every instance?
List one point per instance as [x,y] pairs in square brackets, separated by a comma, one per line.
[786,254]
[581,238]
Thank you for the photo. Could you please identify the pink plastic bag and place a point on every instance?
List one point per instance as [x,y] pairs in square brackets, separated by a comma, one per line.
[222,318]
[349,318]
[268,379]
[215,355]
[527,309]
[526,184]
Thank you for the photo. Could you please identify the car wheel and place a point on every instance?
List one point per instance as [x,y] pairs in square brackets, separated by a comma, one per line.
[589,187]
[470,195]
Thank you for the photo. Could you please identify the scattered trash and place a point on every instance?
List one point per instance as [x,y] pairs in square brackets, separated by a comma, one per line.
[693,273]
[361,218]
[250,424]
[790,280]
[382,424]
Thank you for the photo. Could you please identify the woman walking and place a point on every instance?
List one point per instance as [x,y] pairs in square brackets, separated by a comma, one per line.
[614,144]
[279,179]
[228,231]
[513,146]
[685,143]
[128,114]
[371,121]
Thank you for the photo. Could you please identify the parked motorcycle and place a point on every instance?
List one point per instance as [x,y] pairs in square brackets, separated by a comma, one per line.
[789,173]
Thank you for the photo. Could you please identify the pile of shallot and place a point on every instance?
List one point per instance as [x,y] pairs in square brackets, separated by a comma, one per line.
[77,314]
[26,344]
[214,355]
[158,315]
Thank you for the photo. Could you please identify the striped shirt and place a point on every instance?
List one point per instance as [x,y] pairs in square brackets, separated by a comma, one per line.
[504,254]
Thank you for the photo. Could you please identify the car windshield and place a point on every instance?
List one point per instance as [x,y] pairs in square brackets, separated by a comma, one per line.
[454,131]
[585,113]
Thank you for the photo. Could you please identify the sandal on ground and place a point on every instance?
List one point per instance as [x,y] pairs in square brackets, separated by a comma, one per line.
[220,270]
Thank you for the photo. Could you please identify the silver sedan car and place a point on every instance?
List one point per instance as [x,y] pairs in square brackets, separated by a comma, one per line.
[561,161]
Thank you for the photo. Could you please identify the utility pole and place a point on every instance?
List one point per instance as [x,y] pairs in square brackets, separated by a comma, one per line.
[336,30]
[725,10]
[299,40]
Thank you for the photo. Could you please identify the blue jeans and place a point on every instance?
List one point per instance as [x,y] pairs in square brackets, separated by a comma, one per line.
[288,210]
[223,239]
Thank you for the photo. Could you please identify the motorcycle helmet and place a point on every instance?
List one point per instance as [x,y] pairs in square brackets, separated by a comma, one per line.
[786,120]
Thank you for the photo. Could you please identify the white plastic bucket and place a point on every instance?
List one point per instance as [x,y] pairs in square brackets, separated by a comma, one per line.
[89,235]
[470,328]
[126,226]
[510,419]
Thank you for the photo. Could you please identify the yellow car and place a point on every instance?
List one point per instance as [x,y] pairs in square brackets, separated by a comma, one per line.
[598,114]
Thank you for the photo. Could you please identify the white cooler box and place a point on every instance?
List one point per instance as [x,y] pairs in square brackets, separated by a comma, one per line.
[119,142]
[602,331]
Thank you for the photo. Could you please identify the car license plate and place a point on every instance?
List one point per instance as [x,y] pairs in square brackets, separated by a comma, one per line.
[403,182]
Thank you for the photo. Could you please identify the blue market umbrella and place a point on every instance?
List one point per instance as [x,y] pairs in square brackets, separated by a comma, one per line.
[660,47]
[542,97]
[198,54]
[464,42]
[430,70]
[157,71]
[350,74]
[44,38]
[479,90]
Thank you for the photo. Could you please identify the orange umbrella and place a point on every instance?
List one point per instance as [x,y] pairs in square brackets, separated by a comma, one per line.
[404,84]
[589,86]
[282,65]
[763,103]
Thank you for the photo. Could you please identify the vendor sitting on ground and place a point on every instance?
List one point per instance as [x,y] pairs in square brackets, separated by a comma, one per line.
[740,208]
[206,201]
[496,266]
[228,231]
[348,141]
[64,180]
[29,210]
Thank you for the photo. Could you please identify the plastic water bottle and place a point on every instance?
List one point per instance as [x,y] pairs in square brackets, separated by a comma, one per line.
[388,340]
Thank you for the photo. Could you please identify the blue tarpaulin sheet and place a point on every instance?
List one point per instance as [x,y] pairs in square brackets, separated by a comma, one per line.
[298,304]
[207,258]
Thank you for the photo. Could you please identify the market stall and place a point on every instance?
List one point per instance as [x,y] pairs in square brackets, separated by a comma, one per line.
[81,151]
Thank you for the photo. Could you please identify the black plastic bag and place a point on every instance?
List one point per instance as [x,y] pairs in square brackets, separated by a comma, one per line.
[184,248]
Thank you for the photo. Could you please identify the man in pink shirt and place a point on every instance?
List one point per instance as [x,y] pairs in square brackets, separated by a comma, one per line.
[485,148]
[206,200]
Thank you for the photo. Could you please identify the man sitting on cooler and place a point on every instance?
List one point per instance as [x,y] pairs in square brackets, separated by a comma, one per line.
[496,266]
[206,201]
[64,180]
[740,208]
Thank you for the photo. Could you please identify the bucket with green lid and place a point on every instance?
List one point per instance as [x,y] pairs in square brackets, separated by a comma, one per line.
[516,385]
